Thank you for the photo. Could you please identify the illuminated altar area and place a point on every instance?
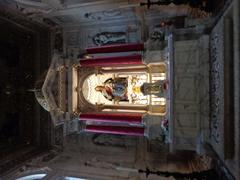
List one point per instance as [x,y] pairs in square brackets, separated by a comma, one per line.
[135,82]
[122,94]
[116,89]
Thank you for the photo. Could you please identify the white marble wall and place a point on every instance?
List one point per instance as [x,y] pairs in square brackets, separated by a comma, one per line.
[190,97]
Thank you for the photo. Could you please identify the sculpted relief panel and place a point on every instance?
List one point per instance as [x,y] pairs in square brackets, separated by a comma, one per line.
[106,38]
[78,39]
[103,14]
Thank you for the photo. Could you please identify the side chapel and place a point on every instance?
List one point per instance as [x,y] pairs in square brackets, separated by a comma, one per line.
[132,89]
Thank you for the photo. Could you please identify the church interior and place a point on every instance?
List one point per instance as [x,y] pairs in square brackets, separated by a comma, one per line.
[119,89]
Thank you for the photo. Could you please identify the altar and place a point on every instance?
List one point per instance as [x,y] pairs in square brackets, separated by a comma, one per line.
[147,87]
[104,92]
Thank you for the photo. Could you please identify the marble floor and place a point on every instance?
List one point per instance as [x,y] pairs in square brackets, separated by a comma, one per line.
[223,138]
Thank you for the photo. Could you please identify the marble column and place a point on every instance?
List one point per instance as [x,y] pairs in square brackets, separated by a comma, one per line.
[116,48]
[129,70]
[120,130]
[142,108]
[134,59]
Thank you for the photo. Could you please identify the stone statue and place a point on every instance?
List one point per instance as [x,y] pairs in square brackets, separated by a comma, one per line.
[156,88]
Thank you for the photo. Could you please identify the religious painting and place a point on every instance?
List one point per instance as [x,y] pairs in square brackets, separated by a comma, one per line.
[114,89]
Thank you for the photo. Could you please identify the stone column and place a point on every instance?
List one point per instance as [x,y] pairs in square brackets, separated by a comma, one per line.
[128,70]
[134,59]
[143,108]
[121,130]
[116,48]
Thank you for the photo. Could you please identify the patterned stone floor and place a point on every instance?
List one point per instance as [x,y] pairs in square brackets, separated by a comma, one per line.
[217,99]
[217,87]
